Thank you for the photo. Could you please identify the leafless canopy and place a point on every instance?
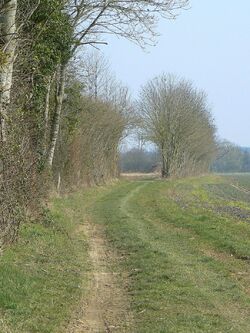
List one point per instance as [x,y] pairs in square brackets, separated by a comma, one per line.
[175,116]
[134,20]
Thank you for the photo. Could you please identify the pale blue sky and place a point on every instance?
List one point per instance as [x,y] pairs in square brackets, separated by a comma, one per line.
[208,44]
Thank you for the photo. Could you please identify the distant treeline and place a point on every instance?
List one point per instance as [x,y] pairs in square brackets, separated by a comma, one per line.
[139,160]
[232,158]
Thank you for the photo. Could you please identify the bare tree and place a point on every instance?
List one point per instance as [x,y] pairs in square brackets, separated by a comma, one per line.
[175,117]
[101,83]
[89,153]
[96,74]
[133,20]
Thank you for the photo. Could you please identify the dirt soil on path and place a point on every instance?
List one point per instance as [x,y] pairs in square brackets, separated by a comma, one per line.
[106,307]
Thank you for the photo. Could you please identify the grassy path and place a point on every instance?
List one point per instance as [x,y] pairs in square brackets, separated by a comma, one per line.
[140,256]
[185,274]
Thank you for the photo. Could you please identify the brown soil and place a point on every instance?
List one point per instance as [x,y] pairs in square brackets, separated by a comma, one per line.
[106,307]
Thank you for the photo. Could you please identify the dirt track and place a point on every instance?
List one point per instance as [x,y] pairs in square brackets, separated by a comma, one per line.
[106,306]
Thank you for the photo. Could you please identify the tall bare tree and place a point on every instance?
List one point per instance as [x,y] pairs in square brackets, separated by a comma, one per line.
[96,73]
[175,116]
[92,20]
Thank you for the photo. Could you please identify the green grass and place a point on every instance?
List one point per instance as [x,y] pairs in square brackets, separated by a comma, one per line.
[43,276]
[186,258]
[181,256]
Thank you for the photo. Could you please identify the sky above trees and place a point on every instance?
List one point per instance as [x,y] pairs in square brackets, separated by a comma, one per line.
[208,44]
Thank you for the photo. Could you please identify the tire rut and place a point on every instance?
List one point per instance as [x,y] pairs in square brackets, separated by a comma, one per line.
[106,308]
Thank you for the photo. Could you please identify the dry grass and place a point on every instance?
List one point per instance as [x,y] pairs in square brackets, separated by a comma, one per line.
[140,176]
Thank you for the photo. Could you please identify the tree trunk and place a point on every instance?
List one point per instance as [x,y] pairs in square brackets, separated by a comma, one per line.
[8,46]
[59,183]
[163,169]
[165,166]
[46,115]
[57,114]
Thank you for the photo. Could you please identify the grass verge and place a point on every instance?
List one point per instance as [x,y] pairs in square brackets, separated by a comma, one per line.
[43,276]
